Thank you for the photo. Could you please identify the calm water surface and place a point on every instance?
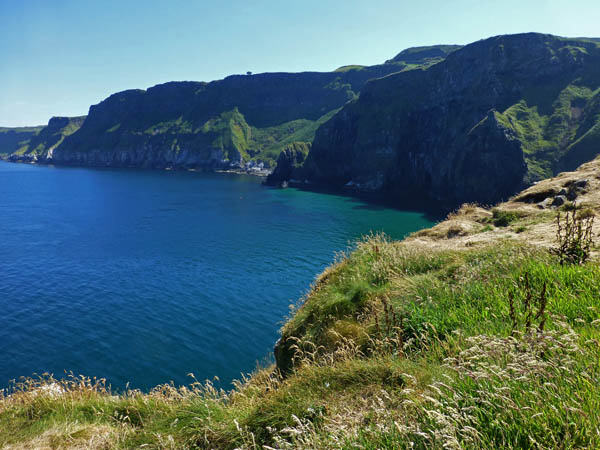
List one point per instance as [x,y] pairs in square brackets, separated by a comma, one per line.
[145,276]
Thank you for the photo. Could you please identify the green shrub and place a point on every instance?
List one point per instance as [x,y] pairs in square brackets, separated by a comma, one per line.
[503,218]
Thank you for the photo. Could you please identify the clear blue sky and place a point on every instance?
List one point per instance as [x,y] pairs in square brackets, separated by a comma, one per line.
[58,57]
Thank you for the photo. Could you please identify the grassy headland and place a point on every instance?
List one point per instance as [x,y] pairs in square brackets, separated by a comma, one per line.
[471,334]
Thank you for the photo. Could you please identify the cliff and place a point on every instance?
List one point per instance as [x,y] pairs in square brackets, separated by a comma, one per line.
[12,139]
[470,334]
[41,145]
[492,117]
[290,159]
[222,124]
[230,123]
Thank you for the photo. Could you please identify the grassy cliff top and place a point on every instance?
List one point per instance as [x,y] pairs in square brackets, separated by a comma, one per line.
[424,53]
[468,335]
[32,129]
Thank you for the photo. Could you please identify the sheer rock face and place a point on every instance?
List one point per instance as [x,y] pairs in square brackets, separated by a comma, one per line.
[454,132]
[289,160]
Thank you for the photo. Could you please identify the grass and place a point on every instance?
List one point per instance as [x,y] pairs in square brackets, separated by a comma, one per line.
[229,132]
[502,218]
[267,143]
[426,287]
[11,139]
[349,68]
[51,136]
[551,124]
[394,344]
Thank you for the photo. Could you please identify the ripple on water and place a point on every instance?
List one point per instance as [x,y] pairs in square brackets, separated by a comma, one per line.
[143,277]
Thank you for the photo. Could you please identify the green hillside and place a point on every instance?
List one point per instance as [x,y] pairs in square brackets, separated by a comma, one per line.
[12,139]
[49,137]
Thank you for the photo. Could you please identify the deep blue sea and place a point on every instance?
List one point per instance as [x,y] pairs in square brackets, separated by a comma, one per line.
[142,277]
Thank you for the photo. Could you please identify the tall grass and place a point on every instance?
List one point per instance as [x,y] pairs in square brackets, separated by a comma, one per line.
[395,346]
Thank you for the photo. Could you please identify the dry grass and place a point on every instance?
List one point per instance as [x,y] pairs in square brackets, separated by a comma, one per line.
[74,437]
[467,227]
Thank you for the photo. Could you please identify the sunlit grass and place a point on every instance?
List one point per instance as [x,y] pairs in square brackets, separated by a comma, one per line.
[396,346]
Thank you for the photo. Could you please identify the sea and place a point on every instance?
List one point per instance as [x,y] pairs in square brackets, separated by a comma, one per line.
[143,277]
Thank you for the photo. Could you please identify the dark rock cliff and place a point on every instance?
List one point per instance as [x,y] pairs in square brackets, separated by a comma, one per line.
[492,117]
[220,124]
[290,159]
[242,120]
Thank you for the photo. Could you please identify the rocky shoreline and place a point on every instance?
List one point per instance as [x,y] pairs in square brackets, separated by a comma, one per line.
[248,169]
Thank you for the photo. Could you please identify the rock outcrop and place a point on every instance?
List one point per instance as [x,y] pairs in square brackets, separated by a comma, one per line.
[290,159]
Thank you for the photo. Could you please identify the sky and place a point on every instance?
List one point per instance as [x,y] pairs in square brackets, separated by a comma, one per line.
[59,57]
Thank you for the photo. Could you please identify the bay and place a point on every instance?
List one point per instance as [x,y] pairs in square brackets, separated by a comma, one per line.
[142,277]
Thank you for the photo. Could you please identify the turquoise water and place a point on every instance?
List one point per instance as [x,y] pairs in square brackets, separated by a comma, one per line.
[145,276]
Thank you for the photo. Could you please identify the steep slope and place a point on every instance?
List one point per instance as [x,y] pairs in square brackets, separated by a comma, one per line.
[12,139]
[290,159]
[489,119]
[43,143]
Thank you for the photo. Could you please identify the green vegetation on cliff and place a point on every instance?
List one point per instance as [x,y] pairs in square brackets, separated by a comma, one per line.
[50,136]
[462,336]
[12,139]
[549,133]
[224,123]
[484,121]
[426,55]
[290,159]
